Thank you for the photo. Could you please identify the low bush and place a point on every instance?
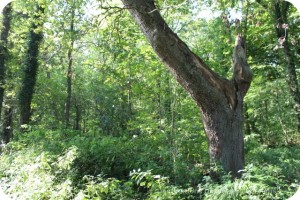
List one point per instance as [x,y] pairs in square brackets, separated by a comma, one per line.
[63,165]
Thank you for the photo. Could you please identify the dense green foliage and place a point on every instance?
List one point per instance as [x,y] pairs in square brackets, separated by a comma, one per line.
[67,165]
[135,133]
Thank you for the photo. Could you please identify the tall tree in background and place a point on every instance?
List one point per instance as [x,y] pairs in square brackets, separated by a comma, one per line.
[220,99]
[287,44]
[70,66]
[30,67]
[281,21]
[7,121]
[3,50]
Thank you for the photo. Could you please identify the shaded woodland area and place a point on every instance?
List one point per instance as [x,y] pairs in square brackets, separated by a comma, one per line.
[164,99]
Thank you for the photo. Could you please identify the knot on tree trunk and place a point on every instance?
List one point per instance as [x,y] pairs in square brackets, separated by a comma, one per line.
[242,74]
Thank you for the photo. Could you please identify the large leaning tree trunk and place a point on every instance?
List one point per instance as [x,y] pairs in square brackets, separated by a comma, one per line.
[220,99]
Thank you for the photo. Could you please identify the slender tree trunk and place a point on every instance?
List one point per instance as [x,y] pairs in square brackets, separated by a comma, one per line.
[70,70]
[30,69]
[7,125]
[130,93]
[69,89]
[78,114]
[280,18]
[3,50]
[247,124]
[220,100]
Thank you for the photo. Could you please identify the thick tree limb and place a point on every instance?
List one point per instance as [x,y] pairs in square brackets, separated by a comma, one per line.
[220,99]
[206,87]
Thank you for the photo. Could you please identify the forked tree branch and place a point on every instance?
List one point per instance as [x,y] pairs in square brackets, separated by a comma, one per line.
[205,86]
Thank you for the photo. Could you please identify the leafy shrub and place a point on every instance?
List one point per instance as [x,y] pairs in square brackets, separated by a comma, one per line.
[65,165]
[28,174]
[158,187]
[97,187]
[263,182]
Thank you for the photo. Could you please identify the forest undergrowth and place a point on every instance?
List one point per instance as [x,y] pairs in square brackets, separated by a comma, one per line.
[64,164]
[103,118]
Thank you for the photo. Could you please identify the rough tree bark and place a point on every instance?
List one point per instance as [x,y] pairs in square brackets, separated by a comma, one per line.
[30,69]
[3,50]
[220,99]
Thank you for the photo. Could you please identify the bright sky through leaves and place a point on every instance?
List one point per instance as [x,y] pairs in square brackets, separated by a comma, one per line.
[296,3]
[3,3]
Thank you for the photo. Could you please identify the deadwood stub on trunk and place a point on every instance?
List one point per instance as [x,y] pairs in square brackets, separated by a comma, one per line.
[224,123]
[220,99]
